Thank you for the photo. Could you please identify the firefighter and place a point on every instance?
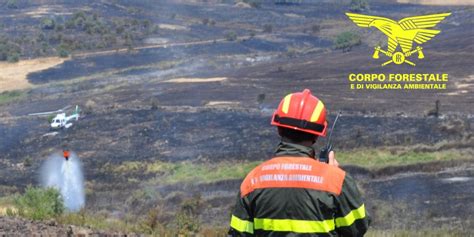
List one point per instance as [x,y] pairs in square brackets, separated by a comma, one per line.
[66,154]
[294,194]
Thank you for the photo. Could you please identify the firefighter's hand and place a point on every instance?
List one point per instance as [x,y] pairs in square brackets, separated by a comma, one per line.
[332,159]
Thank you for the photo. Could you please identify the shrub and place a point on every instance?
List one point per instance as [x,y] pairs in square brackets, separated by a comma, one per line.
[261,98]
[79,14]
[10,212]
[89,106]
[40,204]
[154,104]
[41,37]
[267,28]
[315,28]
[79,22]
[207,21]
[359,5]
[12,4]
[150,223]
[146,24]
[231,36]
[63,52]
[188,217]
[28,162]
[59,28]
[292,52]
[47,23]
[13,57]
[70,24]
[110,39]
[56,37]
[347,40]
[9,51]
[212,22]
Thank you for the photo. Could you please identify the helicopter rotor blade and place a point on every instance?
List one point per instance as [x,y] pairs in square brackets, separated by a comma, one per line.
[43,113]
[67,107]
[51,112]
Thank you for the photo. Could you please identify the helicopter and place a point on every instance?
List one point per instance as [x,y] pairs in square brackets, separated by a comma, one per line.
[61,120]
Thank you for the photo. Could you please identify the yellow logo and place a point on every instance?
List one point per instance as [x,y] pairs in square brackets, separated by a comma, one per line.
[402,33]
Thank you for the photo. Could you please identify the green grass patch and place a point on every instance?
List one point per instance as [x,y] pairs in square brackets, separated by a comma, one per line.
[10,96]
[207,172]
[98,221]
[145,223]
[196,172]
[379,158]
[7,205]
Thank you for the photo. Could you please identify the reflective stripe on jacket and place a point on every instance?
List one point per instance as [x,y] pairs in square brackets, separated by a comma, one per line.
[295,195]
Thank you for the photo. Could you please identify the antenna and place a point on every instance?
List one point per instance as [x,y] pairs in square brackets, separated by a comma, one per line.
[332,128]
[324,153]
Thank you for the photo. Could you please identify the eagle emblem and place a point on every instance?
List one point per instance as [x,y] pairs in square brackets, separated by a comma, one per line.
[402,33]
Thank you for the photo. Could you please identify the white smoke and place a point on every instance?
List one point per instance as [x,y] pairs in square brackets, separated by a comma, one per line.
[66,176]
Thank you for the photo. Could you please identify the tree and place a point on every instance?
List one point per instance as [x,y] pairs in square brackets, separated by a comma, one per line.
[346,40]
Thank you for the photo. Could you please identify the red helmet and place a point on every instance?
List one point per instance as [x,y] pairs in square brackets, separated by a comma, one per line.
[301,111]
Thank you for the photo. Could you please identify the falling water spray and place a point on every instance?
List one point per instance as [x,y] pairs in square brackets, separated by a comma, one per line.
[67,177]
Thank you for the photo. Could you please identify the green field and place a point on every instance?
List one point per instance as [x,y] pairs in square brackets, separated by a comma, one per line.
[379,158]
[10,96]
[206,172]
